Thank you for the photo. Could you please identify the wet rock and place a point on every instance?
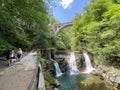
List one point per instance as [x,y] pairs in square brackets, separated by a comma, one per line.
[104,71]
[63,65]
[117,79]
[118,86]
[94,72]
[115,88]
[57,84]
[101,78]
[56,89]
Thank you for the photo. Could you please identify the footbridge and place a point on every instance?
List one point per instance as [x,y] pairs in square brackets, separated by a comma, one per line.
[57,27]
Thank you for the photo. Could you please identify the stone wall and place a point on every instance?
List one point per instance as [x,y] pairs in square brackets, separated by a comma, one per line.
[41,83]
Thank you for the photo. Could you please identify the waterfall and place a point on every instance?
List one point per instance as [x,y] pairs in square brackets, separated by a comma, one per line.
[72,65]
[89,67]
[58,71]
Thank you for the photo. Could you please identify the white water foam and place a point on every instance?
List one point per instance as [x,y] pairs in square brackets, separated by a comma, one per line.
[89,68]
[72,65]
[58,71]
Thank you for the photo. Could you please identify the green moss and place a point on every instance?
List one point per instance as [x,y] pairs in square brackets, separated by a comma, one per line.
[49,78]
[94,83]
[93,86]
[50,81]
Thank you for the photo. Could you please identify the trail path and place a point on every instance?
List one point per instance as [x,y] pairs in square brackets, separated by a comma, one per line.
[18,76]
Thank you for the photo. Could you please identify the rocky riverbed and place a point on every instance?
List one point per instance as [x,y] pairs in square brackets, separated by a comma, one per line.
[94,83]
[110,74]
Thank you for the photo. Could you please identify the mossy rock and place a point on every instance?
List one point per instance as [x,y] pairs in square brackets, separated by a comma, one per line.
[94,83]
[48,77]
[50,81]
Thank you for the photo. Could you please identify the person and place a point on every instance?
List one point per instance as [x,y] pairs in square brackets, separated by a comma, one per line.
[19,53]
[8,56]
[12,56]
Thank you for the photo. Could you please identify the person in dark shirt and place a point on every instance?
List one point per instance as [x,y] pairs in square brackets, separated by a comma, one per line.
[8,56]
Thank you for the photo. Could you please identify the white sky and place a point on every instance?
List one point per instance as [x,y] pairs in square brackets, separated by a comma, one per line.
[66,3]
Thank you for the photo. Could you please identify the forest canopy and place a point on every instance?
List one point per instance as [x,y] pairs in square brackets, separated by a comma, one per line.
[98,29]
[25,23]
[28,23]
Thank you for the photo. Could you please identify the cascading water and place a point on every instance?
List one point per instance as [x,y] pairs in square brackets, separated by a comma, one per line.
[72,65]
[89,67]
[58,71]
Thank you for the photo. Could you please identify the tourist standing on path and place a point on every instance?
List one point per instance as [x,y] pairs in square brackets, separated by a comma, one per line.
[12,56]
[8,56]
[19,53]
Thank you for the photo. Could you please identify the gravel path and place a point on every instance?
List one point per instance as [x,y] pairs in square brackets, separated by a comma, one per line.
[3,65]
[18,76]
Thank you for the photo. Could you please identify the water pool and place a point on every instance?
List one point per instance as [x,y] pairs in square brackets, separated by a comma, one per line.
[69,82]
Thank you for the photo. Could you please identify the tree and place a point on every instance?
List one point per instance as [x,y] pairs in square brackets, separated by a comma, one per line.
[24,24]
[97,30]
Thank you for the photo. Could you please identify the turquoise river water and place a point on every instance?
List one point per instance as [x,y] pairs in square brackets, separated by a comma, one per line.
[69,82]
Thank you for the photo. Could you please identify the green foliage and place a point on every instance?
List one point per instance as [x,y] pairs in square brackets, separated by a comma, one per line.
[42,61]
[60,44]
[113,12]
[63,38]
[24,24]
[96,8]
[49,79]
[98,30]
